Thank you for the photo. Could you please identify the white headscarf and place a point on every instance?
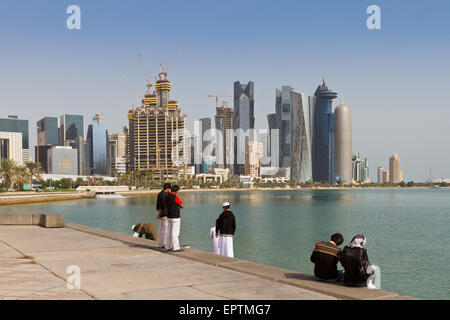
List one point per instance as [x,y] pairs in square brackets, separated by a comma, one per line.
[358,241]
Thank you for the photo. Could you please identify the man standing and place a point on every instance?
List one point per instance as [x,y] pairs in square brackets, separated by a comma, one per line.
[225,228]
[325,257]
[161,207]
[174,205]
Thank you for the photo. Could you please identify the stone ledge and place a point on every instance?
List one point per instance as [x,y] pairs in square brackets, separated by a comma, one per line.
[336,290]
[47,220]
[44,197]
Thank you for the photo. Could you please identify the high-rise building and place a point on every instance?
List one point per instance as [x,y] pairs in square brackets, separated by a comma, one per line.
[283,120]
[82,155]
[70,127]
[224,121]
[48,131]
[201,149]
[272,122]
[386,176]
[342,144]
[40,156]
[62,160]
[127,147]
[360,168]
[244,119]
[302,129]
[395,174]
[11,146]
[244,105]
[380,175]
[97,139]
[117,152]
[157,133]
[323,134]
[253,154]
[13,124]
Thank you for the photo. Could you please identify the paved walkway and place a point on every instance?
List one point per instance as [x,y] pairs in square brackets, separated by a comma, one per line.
[34,261]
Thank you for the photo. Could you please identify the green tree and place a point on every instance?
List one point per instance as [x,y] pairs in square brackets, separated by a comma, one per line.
[34,169]
[10,173]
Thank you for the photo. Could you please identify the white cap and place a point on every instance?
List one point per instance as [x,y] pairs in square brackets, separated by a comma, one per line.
[132,228]
[225,204]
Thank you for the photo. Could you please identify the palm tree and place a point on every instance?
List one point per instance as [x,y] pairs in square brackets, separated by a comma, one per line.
[8,172]
[34,170]
[21,176]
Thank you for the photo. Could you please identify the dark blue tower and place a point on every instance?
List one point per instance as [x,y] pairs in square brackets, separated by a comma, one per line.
[323,150]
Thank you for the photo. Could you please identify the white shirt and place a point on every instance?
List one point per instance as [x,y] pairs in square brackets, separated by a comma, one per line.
[215,240]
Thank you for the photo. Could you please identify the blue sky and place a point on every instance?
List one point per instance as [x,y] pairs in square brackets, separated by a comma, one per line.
[395,80]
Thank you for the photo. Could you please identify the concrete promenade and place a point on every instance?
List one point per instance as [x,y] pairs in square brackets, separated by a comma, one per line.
[34,262]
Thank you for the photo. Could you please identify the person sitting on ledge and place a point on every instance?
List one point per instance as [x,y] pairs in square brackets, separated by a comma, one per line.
[356,264]
[325,257]
[147,229]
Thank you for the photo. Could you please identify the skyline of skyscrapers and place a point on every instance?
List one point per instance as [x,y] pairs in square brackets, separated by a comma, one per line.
[308,145]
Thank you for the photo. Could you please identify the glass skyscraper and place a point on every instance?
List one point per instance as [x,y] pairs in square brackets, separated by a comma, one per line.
[16,125]
[97,138]
[244,119]
[283,119]
[47,131]
[70,127]
[323,134]
[302,129]
[244,105]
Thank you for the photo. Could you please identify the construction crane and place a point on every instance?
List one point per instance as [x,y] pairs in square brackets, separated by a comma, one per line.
[131,85]
[147,76]
[164,70]
[217,97]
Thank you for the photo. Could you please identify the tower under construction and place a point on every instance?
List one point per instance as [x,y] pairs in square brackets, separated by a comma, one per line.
[157,133]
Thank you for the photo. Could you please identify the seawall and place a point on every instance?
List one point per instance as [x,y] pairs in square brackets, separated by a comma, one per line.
[119,266]
[21,198]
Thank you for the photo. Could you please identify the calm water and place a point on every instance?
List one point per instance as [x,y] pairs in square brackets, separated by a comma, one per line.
[407,231]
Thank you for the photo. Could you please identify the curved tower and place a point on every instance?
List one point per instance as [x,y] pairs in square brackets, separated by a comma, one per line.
[343,144]
[322,156]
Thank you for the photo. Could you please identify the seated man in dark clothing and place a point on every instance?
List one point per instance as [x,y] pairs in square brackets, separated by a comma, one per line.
[147,229]
[325,257]
[356,263]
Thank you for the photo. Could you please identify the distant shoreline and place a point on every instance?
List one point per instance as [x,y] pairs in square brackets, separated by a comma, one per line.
[143,192]
[11,198]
